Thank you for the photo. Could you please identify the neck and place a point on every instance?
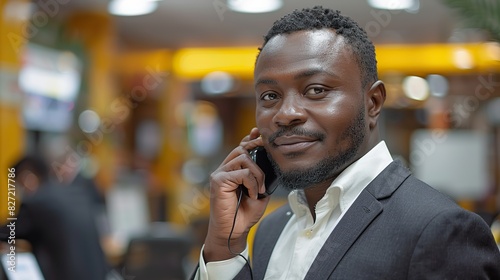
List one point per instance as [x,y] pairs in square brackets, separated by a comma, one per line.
[314,194]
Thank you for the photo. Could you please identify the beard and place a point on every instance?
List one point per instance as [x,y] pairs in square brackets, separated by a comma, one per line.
[329,167]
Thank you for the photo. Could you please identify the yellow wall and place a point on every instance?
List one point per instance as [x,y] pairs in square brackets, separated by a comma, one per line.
[195,63]
[12,40]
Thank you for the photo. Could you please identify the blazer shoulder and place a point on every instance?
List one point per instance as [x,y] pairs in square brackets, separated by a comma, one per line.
[428,195]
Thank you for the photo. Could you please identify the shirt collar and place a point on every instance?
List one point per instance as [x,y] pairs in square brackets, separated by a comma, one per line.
[348,185]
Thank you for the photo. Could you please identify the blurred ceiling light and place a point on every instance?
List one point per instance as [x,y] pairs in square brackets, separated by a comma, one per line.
[132,7]
[408,5]
[217,82]
[254,6]
[463,59]
[416,88]
[194,172]
[438,85]
[89,121]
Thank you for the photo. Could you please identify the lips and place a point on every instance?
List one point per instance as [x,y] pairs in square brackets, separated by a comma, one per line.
[291,146]
[293,140]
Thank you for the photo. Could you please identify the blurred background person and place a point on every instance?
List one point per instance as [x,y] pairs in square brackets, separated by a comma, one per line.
[58,223]
[68,171]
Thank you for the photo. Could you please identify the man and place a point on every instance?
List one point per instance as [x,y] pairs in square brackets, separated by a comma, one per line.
[353,212]
[58,223]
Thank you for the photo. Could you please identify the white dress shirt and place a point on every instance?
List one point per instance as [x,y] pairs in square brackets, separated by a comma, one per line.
[303,237]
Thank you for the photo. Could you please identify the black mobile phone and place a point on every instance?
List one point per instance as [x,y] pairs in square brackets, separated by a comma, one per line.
[259,156]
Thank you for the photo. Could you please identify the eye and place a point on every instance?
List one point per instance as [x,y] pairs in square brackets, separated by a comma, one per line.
[315,91]
[269,96]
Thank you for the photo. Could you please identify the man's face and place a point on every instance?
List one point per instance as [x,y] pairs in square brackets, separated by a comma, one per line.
[310,106]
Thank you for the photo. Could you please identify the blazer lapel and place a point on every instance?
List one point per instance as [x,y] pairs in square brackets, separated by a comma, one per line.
[361,213]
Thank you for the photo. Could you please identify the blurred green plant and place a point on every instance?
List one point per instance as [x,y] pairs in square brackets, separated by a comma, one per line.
[482,14]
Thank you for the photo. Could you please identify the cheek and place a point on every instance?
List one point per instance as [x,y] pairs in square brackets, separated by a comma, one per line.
[337,123]
[263,120]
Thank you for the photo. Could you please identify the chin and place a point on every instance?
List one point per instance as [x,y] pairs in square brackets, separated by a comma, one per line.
[302,174]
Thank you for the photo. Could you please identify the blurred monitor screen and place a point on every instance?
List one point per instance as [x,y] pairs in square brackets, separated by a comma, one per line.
[128,209]
[454,162]
[25,267]
[50,80]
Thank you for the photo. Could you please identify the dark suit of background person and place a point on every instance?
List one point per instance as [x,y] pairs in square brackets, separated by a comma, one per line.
[59,224]
[318,99]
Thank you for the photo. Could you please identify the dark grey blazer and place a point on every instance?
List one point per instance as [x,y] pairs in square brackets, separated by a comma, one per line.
[398,228]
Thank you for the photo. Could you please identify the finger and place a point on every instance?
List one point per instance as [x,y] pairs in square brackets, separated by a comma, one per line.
[253,205]
[243,148]
[254,133]
[245,162]
[240,170]
[236,152]
[257,203]
[230,182]
[252,144]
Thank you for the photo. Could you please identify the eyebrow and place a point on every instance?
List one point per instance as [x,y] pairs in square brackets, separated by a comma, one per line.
[312,72]
[265,82]
[301,75]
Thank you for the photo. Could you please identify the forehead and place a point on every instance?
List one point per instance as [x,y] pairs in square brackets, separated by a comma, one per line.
[306,50]
[324,47]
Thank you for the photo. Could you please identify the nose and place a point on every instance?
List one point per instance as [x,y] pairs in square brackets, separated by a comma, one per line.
[290,111]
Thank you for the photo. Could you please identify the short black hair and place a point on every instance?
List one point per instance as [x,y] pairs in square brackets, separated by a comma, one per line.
[319,18]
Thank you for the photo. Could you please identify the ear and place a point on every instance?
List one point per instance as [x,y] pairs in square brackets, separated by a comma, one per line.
[375,98]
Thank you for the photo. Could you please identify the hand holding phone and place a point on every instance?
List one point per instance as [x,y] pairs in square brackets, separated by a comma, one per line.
[227,234]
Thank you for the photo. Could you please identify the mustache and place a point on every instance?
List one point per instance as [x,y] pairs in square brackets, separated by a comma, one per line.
[282,131]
